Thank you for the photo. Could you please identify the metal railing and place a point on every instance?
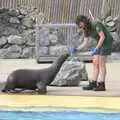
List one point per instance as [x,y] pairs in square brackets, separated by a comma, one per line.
[69,31]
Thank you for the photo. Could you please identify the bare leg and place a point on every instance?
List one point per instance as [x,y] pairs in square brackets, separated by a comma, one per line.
[95,67]
[102,67]
[93,83]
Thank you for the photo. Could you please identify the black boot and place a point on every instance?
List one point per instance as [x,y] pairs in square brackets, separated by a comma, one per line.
[100,86]
[91,86]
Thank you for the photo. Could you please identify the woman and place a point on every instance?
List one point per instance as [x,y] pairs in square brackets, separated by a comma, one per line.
[100,52]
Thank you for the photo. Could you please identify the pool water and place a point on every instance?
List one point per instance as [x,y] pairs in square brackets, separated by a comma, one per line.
[48,115]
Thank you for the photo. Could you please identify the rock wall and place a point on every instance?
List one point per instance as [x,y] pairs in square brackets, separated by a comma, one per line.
[17,33]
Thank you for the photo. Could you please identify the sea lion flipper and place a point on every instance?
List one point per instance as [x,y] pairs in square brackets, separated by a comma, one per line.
[41,88]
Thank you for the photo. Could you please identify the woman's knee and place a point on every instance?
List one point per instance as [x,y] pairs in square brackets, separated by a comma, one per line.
[102,61]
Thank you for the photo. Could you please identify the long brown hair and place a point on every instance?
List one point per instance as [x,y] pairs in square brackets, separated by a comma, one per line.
[87,22]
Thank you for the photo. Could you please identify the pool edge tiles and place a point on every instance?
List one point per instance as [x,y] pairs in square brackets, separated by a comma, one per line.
[46,102]
[57,109]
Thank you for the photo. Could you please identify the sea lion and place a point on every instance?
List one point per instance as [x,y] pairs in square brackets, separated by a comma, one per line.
[30,79]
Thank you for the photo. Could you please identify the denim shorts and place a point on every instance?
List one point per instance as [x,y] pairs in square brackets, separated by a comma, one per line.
[103,51]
